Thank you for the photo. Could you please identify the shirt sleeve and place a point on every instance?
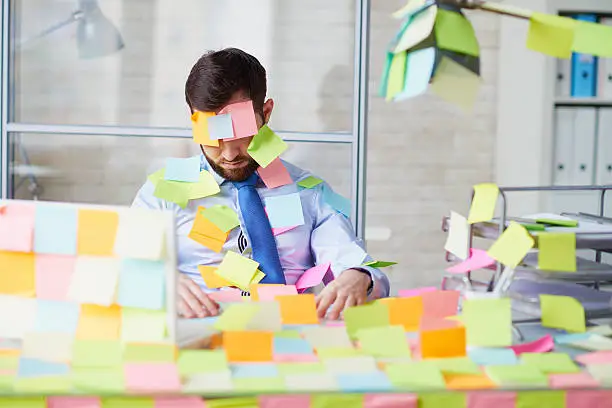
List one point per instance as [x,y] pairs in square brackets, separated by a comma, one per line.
[333,240]
[145,198]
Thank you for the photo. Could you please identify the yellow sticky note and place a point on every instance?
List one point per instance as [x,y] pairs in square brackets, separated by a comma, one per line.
[237,269]
[420,27]
[259,275]
[99,322]
[387,341]
[236,316]
[199,121]
[512,246]
[551,35]
[483,203]
[266,146]
[97,353]
[201,361]
[562,312]
[211,279]
[206,186]
[298,309]
[321,400]
[143,325]
[222,216]
[593,38]
[454,32]
[17,273]
[206,233]
[149,352]
[96,232]
[456,84]
[557,252]
[397,74]
[488,322]
[24,402]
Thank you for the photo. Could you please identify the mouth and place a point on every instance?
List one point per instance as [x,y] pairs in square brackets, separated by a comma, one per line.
[234,165]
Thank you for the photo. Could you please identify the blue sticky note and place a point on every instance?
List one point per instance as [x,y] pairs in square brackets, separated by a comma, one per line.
[254,370]
[141,284]
[55,229]
[220,127]
[285,210]
[187,170]
[570,338]
[370,382]
[291,346]
[31,367]
[493,356]
[419,68]
[337,202]
[56,317]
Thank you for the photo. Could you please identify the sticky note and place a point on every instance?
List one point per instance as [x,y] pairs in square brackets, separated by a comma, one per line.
[245,346]
[207,233]
[220,126]
[173,191]
[201,361]
[96,232]
[468,382]
[309,182]
[380,264]
[512,245]
[16,232]
[142,284]
[391,400]
[73,402]
[321,337]
[541,345]
[325,353]
[387,341]
[457,241]
[454,32]
[499,399]
[562,312]
[237,269]
[415,292]
[572,380]
[266,146]
[298,309]
[52,347]
[201,135]
[227,295]
[183,169]
[406,312]
[550,363]
[419,376]
[592,38]
[483,203]
[206,186]
[182,402]
[446,399]
[516,375]
[94,280]
[456,84]
[99,322]
[337,202]
[456,365]
[222,216]
[565,222]
[311,382]
[277,401]
[336,400]
[143,325]
[397,73]
[600,372]
[211,279]
[17,273]
[285,210]
[16,328]
[236,316]
[544,399]
[291,346]
[254,370]
[419,28]
[56,317]
[98,380]
[364,382]
[269,292]
[488,322]
[141,234]
[243,118]
[275,174]
[149,352]
[442,342]
[313,276]
[440,303]
[56,229]
[557,251]
[24,402]
[97,353]
[152,377]
[366,316]
[478,259]
[551,35]
[419,68]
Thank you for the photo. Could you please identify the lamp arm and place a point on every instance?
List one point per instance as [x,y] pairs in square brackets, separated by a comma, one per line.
[77,15]
[491,7]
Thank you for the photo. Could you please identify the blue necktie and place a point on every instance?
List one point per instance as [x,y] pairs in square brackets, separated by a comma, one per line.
[259,231]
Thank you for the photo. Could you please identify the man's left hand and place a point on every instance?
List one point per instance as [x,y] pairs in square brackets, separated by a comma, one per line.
[348,289]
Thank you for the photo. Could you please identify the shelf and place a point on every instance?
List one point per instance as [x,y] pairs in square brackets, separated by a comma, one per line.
[567,101]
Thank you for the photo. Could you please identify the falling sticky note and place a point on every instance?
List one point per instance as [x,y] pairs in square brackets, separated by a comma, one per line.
[285,210]
[419,68]
[298,309]
[551,35]
[201,361]
[365,316]
[220,127]
[141,234]
[420,375]
[488,322]
[237,269]
[222,216]
[96,232]
[562,312]
[419,28]
[211,279]
[309,182]
[17,273]
[207,233]
[454,32]
[593,38]
[397,74]
[457,242]
[97,353]
[243,118]
[247,346]
[149,352]
[440,303]
[142,325]
[142,284]
[478,259]
[56,229]
[456,84]
[336,201]
[483,203]
[201,135]
[557,252]
[269,292]
[406,311]
[95,280]
[387,341]
[16,232]
[266,146]
[152,377]
[275,174]
[313,276]
[183,169]
[512,246]
[550,363]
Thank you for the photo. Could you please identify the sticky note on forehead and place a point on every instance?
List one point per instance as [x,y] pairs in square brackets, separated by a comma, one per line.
[201,135]
[243,118]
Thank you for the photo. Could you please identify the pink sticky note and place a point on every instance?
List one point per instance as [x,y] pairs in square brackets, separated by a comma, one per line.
[588,399]
[243,118]
[335,323]
[294,358]
[179,402]
[415,292]
[572,380]
[282,230]
[596,357]
[275,175]
[152,377]
[390,401]
[226,295]
[487,399]
[284,401]
[269,292]
[478,259]
[53,276]
[543,345]
[441,303]
[16,232]
[73,402]
[313,276]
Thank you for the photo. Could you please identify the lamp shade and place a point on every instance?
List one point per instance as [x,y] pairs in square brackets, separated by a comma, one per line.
[96,35]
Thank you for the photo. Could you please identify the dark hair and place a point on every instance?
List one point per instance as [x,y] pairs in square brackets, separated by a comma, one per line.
[218,75]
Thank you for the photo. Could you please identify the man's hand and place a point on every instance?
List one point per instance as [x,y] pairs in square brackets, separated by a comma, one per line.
[348,289]
[192,301]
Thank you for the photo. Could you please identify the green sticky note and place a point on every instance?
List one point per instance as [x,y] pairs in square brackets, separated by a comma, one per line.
[397,75]
[310,182]
[558,223]
[456,365]
[382,88]
[128,402]
[236,316]
[551,35]
[557,252]
[23,402]
[288,334]
[6,381]
[149,353]
[338,352]
[516,375]
[446,400]
[533,227]
[97,353]
[206,186]
[158,175]
[234,402]
[259,384]
[237,269]
[266,146]
[142,325]
[110,380]
[379,264]
[540,399]
[222,216]
[173,191]
[562,312]
[455,33]
[593,38]
[363,317]
[512,245]
[337,400]
[488,322]
[300,368]
[50,385]
[420,375]
[389,341]
[550,363]
[9,362]
[201,361]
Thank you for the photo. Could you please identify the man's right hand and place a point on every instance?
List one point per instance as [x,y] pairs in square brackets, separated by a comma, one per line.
[192,301]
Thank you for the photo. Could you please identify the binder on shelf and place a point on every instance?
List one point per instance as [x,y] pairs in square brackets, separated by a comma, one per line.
[604,147]
[604,68]
[563,145]
[584,133]
[584,68]
[564,72]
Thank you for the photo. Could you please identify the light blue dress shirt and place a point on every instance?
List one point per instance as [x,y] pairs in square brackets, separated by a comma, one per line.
[325,236]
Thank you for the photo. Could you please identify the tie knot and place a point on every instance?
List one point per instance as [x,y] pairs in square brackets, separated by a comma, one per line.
[249,182]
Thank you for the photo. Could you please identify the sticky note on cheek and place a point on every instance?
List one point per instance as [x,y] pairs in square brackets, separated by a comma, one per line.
[201,135]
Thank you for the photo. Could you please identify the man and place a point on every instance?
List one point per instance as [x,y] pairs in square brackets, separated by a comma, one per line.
[227,77]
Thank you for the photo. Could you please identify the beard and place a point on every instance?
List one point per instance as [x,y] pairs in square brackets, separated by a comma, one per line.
[234,174]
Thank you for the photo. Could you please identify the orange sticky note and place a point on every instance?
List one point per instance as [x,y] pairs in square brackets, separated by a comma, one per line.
[205,232]
[211,279]
[96,232]
[468,382]
[245,346]
[199,121]
[99,322]
[406,311]
[298,309]
[442,339]
[17,272]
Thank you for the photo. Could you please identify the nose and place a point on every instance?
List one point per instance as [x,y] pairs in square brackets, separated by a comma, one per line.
[230,150]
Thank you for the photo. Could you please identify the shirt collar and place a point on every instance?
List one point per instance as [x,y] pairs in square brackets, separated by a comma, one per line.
[220,180]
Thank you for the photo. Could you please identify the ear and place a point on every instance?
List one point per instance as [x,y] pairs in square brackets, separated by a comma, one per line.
[267,110]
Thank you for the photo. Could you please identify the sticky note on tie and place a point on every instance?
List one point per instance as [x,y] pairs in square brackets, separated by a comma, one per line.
[243,118]
[551,35]
[456,84]
[222,216]
[298,309]
[387,341]
[211,279]
[420,27]
[183,169]
[275,174]
[97,230]
[285,210]
[248,346]
[201,135]
[593,38]
[562,312]
[488,322]
[457,242]
[95,280]
[512,246]
[16,232]
[309,182]
[220,126]
[266,146]
[17,273]
[237,269]
[397,74]
[483,203]
[454,32]
[141,234]
[366,316]
[141,325]
[99,322]
[207,233]
[142,284]
[557,252]
[314,276]
[56,229]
